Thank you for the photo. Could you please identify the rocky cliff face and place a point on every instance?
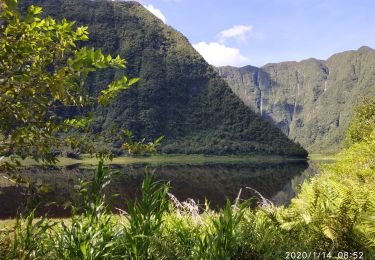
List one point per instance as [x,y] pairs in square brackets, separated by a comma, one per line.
[311,101]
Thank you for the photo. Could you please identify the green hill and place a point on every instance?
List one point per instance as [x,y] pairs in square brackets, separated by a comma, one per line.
[311,101]
[179,95]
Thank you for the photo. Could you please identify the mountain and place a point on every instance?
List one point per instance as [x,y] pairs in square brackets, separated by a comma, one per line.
[179,95]
[311,101]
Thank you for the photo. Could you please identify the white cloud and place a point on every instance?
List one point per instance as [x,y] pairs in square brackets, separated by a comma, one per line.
[218,54]
[156,12]
[239,32]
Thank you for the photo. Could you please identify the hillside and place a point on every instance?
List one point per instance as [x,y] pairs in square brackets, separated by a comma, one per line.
[311,101]
[179,95]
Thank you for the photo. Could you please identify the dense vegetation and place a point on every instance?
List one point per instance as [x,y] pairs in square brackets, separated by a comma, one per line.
[311,101]
[333,214]
[179,95]
[42,71]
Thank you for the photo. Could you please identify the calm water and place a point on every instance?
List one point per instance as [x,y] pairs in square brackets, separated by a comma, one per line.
[278,182]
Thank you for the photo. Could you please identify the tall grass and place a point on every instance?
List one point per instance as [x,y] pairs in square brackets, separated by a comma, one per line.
[144,220]
[92,234]
[26,240]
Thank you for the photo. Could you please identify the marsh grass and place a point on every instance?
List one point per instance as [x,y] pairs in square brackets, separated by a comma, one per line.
[144,220]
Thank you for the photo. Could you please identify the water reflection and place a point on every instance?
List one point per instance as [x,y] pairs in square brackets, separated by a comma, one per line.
[214,182]
[291,189]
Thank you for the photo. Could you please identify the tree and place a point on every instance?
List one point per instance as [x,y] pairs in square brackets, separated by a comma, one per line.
[42,70]
[363,121]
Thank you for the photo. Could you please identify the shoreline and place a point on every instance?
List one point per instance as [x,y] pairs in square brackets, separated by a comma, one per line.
[166,159]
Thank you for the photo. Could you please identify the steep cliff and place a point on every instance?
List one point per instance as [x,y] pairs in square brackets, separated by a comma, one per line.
[179,95]
[311,101]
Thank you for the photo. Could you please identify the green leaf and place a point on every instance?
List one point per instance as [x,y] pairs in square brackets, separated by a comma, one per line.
[133,81]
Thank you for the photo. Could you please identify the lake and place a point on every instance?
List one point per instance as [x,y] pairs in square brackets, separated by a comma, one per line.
[276,181]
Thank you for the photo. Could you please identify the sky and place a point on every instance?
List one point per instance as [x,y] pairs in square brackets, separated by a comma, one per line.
[257,32]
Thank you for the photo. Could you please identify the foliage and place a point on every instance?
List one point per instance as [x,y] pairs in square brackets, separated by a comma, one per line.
[363,121]
[144,219]
[336,208]
[27,236]
[221,240]
[90,235]
[179,95]
[42,72]
[261,236]
[139,147]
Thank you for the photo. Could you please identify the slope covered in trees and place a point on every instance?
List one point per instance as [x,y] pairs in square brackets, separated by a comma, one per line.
[311,101]
[179,95]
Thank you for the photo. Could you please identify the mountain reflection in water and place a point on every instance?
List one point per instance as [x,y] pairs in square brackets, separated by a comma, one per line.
[278,182]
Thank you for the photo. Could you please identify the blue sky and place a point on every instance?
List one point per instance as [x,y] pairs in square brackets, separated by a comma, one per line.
[256,32]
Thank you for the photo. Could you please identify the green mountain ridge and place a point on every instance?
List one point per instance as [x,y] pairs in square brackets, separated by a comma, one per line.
[179,95]
[311,101]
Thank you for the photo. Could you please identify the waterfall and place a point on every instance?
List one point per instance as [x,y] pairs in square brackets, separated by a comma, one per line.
[261,104]
[295,103]
[257,84]
[297,94]
[257,79]
[325,85]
